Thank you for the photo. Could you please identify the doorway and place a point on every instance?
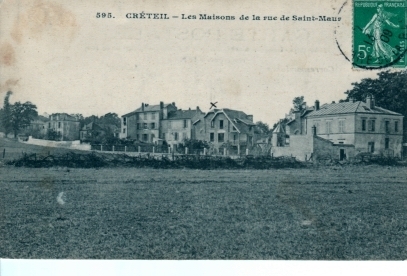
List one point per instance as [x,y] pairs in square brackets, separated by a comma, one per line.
[342,155]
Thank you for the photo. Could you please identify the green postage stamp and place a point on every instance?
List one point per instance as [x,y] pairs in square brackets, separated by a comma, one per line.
[379,33]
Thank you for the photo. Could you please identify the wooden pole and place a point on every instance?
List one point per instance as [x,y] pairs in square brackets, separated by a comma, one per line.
[4,153]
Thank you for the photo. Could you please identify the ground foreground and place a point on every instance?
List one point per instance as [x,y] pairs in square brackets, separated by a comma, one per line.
[124,213]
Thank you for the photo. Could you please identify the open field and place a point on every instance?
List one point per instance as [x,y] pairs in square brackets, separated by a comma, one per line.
[320,213]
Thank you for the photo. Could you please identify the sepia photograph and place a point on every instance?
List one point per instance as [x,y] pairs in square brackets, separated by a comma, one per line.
[203,130]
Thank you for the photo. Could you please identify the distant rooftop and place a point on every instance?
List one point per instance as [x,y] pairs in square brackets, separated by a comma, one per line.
[349,107]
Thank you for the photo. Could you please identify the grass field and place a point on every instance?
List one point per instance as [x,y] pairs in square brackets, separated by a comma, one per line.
[320,213]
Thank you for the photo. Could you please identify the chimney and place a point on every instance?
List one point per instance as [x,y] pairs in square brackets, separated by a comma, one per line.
[369,101]
[250,117]
[316,105]
[161,105]
[333,102]
[197,108]
[351,99]
[373,102]
[173,103]
[142,106]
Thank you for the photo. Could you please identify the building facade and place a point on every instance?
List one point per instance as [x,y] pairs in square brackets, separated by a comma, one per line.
[143,124]
[346,129]
[179,125]
[221,127]
[67,126]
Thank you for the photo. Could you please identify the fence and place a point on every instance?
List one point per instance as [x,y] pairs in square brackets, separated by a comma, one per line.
[159,149]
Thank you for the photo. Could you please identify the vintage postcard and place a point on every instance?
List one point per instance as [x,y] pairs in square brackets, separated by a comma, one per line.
[203,130]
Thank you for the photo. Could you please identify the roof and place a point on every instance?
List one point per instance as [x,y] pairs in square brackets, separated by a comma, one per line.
[183,114]
[65,117]
[147,108]
[279,129]
[349,107]
[239,119]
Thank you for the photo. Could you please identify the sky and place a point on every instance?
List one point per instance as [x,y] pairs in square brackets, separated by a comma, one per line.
[62,58]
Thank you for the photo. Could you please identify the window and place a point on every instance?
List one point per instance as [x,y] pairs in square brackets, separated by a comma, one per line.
[138,126]
[124,121]
[176,136]
[145,137]
[152,137]
[363,124]
[328,127]
[212,137]
[372,125]
[153,116]
[145,116]
[387,126]
[220,124]
[59,124]
[370,147]
[233,128]
[145,126]
[221,137]
[169,124]
[137,116]
[396,126]
[163,136]
[234,137]
[49,125]
[138,137]
[152,125]
[386,143]
[341,126]
[184,136]
[212,124]
[185,123]
[124,130]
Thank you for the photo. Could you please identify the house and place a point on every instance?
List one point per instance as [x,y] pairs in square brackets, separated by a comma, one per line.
[67,126]
[94,132]
[221,127]
[179,125]
[143,124]
[342,130]
[38,127]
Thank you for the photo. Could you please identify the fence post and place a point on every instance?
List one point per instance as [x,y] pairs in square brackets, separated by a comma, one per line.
[125,148]
[4,153]
[113,148]
[204,151]
[238,149]
[169,149]
[224,151]
[139,149]
[153,149]
[247,151]
[101,147]
[186,150]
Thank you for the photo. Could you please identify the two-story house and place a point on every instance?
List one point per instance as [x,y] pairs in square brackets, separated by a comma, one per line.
[342,130]
[364,125]
[67,126]
[143,124]
[220,126]
[179,125]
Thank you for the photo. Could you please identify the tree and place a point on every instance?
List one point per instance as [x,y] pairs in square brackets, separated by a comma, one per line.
[262,128]
[298,103]
[110,119]
[6,114]
[389,90]
[21,115]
